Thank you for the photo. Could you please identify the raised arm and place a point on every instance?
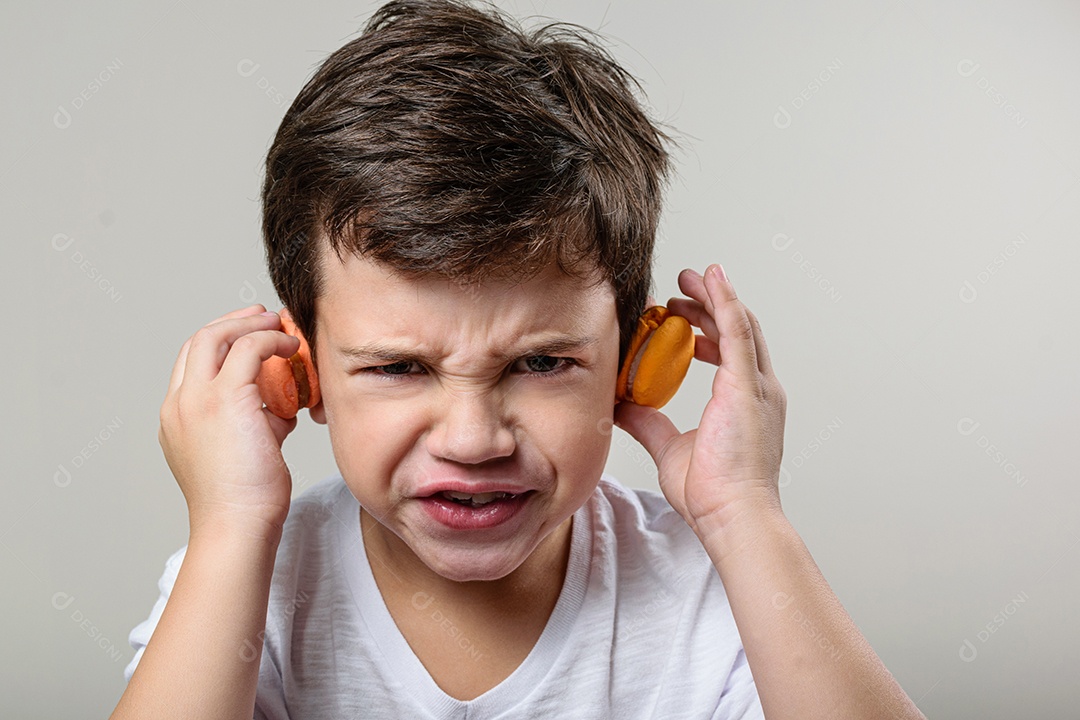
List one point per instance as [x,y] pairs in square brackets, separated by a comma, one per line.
[808,658]
[224,450]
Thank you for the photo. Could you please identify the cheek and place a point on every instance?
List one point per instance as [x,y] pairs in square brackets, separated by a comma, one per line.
[572,431]
[369,437]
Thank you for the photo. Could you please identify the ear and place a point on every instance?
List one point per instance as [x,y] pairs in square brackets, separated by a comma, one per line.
[287,321]
[318,413]
[287,317]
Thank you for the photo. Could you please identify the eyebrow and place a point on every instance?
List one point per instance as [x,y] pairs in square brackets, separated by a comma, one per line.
[381,351]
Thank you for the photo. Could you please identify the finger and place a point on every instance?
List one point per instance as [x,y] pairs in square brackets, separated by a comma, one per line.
[736,341]
[281,427]
[706,350]
[210,345]
[178,369]
[242,312]
[696,314]
[763,358]
[177,376]
[247,353]
[692,284]
[650,427]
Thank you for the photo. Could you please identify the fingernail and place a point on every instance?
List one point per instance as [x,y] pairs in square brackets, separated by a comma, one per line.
[718,270]
[269,313]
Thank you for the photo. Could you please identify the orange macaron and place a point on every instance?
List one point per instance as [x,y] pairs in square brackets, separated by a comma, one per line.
[659,356]
[288,384]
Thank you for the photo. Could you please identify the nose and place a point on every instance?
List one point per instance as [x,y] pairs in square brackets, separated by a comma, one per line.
[470,429]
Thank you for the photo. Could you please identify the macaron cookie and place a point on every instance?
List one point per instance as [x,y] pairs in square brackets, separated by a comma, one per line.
[659,356]
[288,384]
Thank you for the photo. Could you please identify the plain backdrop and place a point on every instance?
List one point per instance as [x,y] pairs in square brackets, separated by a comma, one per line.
[893,187]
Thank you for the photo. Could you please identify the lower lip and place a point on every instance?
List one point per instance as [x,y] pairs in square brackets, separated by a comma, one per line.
[465,517]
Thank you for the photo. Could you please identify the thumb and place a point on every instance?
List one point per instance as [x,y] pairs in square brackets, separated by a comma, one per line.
[650,427]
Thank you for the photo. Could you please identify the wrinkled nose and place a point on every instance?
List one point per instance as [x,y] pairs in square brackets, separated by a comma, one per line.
[470,428]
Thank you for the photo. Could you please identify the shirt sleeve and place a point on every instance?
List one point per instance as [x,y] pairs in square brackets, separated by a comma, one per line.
[140,634]
[739,700]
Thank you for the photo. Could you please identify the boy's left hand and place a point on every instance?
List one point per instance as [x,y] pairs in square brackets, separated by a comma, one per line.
[731,462]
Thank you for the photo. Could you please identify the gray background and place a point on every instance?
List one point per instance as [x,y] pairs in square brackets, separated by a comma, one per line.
[893,187]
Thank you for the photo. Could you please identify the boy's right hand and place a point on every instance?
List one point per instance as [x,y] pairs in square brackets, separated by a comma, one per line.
[222,445]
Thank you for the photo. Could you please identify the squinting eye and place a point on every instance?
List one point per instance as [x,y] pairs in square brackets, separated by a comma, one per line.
[533,364]
[545,364]
[401,367]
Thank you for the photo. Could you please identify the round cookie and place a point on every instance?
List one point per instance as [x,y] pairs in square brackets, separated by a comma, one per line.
[659,356]
[288,384]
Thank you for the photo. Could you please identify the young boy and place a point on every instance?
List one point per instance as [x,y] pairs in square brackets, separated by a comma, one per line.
[460,217]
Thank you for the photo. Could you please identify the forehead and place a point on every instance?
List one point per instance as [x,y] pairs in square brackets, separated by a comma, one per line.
[362,300]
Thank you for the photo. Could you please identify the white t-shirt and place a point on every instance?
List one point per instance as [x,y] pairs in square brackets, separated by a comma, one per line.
[641,628]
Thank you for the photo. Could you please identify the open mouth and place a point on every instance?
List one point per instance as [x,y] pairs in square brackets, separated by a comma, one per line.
[477,500]
[474,511]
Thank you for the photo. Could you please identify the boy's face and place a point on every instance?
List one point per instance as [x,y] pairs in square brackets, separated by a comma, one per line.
[484,404]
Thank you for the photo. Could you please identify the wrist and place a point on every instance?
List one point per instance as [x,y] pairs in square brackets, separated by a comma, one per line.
[235,527]
[741,523]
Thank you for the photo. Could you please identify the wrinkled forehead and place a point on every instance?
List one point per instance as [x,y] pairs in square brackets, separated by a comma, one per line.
[362,301]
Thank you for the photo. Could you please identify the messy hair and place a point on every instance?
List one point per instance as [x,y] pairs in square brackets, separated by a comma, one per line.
[447,140]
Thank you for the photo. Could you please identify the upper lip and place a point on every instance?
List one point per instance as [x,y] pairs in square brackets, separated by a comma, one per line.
[470,488]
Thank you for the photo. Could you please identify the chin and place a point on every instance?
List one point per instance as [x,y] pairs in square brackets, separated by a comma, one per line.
[465,566]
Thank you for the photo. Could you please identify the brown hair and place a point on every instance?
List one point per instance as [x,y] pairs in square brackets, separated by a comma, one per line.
[446,140]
